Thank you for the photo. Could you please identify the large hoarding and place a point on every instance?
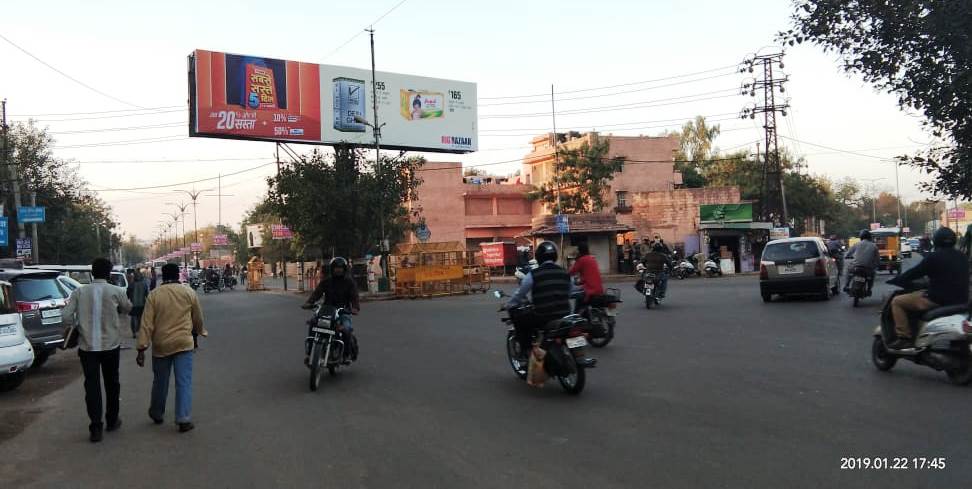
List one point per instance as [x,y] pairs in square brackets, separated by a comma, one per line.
[249,97]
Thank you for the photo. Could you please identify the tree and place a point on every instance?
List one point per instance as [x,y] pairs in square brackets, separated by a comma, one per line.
[79,225]
[917,50]
[133,251]
[580,178]
[695,151]
[339,202]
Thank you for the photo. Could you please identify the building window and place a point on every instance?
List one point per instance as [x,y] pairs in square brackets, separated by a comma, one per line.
[622,198]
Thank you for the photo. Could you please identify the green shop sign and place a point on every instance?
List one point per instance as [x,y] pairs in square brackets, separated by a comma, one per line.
[709,213]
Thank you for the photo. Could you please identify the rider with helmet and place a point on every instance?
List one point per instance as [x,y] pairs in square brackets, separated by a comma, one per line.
[659,262]
[863,254]
[549,287]
[338,290]
[948,284]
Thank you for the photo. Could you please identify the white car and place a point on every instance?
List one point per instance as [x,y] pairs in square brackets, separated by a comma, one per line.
[16,354]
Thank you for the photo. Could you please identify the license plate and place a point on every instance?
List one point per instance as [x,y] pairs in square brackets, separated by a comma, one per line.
[576,342]
[788,269]
[322,330]
[612,312]
[860,279]
[49,313]
[8,330]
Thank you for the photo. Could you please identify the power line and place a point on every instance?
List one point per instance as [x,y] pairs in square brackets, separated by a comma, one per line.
[672,77]
[99,112]
[661,126]
[612,108]
[732,73]
[125,142]
[132,189]
[69,77]
[838,150]
[194,160]
[109,116]
[352,38]
[129,128]
[679,119]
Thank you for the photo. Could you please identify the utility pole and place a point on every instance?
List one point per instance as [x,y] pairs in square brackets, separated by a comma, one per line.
[556,172]
[34,252]
[772,191]
[14,169]
[376,128]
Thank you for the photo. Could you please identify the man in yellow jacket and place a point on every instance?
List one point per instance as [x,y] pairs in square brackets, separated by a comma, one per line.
[171,320]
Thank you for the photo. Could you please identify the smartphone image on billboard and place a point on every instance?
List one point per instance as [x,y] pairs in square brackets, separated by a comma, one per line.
[420,104]
[349,102]
[256,83]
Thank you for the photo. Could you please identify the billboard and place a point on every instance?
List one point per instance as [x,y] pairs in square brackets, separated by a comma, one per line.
[254,235]
[31,214]
[249,97]
[280,231]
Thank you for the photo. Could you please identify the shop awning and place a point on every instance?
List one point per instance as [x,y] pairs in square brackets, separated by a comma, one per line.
[737,225]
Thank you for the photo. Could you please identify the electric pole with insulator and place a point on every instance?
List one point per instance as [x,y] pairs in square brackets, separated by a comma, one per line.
[772,197]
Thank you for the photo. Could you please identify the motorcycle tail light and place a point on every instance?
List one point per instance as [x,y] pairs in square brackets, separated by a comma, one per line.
[967,326]
[763,272]
[820,269]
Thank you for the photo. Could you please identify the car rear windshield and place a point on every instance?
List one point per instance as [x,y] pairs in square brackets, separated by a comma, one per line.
[796,250]
[37,289]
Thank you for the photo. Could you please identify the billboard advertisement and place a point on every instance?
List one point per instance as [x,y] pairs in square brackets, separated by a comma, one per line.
[249,97]
[280,231]
[254,235]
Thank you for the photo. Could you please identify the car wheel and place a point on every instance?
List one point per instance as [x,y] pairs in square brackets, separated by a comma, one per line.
[12,381]
[767,297]
[40,357]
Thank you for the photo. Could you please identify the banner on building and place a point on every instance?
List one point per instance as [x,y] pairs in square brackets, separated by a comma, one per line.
[719,213]
[280,231]
[250,97]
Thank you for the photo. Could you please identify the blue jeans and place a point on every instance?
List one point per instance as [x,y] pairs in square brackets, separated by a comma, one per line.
[161,368]
[662,284]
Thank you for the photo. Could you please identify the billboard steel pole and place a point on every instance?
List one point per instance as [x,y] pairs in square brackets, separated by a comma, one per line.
[376,128]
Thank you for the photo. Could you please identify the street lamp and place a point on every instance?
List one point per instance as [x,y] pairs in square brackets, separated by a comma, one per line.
[873,198]
[194,196]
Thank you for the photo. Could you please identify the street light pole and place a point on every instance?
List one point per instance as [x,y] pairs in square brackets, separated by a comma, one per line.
[376,129]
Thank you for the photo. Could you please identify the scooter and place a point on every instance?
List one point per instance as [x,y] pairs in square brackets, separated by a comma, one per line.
[942,342]
[711,266]
[684,268]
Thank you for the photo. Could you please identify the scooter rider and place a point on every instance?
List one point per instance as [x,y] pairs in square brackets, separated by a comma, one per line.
[863,254]
[947,270]
[549,287]
[338,290]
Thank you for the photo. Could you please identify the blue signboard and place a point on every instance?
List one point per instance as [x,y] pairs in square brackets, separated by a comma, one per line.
[562,226]
[30,214]
[3,231]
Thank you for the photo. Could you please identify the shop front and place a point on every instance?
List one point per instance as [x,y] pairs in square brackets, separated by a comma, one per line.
[729,231]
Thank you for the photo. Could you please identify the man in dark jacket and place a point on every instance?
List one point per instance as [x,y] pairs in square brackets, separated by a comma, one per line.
[947,270]
[337,290]
[549,287]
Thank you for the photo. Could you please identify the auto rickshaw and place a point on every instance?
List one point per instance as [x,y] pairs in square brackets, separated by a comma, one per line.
[888,241]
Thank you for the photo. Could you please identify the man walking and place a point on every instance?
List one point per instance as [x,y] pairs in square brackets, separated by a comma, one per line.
[137,292]
[171,320]
[95,309]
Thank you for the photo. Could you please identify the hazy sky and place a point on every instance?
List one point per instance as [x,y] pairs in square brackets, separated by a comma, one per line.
[136,52]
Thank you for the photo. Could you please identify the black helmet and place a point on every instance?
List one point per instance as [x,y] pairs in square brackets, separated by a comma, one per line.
[338,261]
[546,251]
[865,234]
[944,238]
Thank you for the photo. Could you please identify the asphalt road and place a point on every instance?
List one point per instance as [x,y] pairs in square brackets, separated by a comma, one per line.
[713,389]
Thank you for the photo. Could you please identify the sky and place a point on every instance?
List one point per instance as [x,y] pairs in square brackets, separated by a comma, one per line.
[674,59]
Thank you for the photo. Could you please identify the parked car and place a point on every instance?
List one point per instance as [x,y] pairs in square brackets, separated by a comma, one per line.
[797,266]
[915,244]
[69,284]
[81,273]
[39,298]
[119,279]
[16,354]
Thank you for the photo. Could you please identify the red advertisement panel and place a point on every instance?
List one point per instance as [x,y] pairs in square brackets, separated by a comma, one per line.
[498,254]
[257,98]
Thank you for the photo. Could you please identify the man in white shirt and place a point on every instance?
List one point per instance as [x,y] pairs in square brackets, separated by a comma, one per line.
[95,308]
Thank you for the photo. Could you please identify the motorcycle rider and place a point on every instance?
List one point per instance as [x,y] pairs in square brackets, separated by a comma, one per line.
[549,289]
[833,247]
[658,262]
[947,270]
[586,268]
[338,290]
[863,254]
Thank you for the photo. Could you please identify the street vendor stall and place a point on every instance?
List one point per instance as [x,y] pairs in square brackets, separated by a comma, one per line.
[435,269]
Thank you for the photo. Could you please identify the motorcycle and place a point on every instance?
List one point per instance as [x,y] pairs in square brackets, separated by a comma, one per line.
[711,266]
[602,313]
[648,286]
[943,340]
[684,268]
[324,347]
[229,281]
[211,284]
[560,341]
[859,288]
